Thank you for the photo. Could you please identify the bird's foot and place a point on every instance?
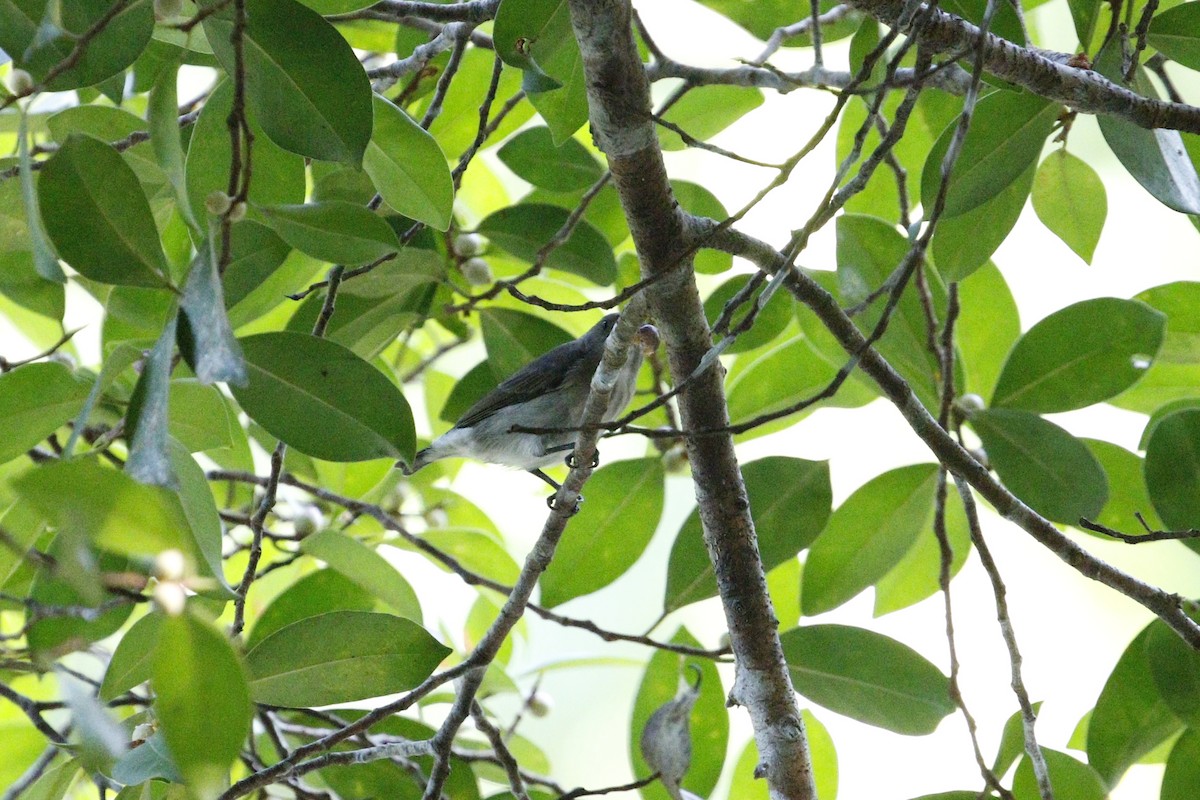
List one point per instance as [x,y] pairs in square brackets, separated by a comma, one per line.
[572,462]
[552,503]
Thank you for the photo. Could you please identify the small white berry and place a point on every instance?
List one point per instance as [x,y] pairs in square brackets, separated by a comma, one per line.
[477,271]
[217,202]
[19,82]
[469,244]
[968,404]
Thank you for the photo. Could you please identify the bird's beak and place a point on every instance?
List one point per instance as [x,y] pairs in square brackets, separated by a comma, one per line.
[647,339]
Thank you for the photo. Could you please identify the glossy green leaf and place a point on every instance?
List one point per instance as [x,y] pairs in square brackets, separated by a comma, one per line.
[1175,669]
[760,19]
[39,48]
[470,388]
[988,326]
[97,216]
[337,232]
[1182,774]
[705,111]
[1005,139]
[695,199]
[534,157]
[709,720]
[45,261]
[198,416]
[202,701]
[1012,740]
[1128,495]
[366,568]
[132,661]
[1080,355]
[1069,199]
[209,344]
[768,324]
[548,51]
[317,107]
[408,167]
[1130,718]
[869,250]
[964,243]
[1007,22]
[35,401]
[1071,779]
[1085,14]
[163,115]
[1157,159]
[525,229]
[328,7]
[821,751]
[1176,34]
[458,124]
[54,782]
[1180,302]
[279,176]
[514,338]
[867,536]
[1046,467]
[199,508]
[868,677]
[1172,469]
[479,551]
[624,504]
[316,593]
[147,418]
[324,400]
[339,657]
[790,499]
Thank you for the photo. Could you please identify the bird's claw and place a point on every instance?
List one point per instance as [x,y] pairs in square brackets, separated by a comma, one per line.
[572,462]
[552,503]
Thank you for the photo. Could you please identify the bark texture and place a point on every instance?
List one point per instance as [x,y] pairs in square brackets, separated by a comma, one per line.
[619,102]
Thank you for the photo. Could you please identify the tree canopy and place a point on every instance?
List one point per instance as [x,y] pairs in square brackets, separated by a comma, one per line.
[305,236]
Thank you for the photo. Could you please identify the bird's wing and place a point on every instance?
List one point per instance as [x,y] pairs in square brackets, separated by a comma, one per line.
[544,375]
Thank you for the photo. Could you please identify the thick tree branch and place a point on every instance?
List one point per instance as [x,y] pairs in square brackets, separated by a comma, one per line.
[619,104]
[1083,90]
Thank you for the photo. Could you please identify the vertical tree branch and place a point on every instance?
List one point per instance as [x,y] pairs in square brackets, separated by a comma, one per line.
[619,103]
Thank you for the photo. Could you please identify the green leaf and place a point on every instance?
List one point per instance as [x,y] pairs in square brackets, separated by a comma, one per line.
[964,243]
[1176,34]
[534,157]
[1071,779]
[916,576]
[1005,139]
[339,657]
[479,551]
[202,702]
[199,417]
[471,387]
[536,36]
[316,593]
[204,521]
[317,107]
[324,400]
[790,499]
[366,568]
[695,199]
[1130,719]
[163,114]
[1175,669]
[43,257]
[1080,355]
[76,582]
[709,720]
[35,401]
[746,786]
[148,760]
[867,536]
[1127,487]
[760,18]
[625,502]
[1182,775]
[868,677]
[132,661]
[108,507]
[408,167]
[1157,159]
[1042,464]
[988,326]
[53,783]
[458,124]
[147,414]
[1069,199]
[705,111]
[1012,741]
[38,48]
[97,215]
[514,338]
[279,176]
[524,229]
[868,251]
[770,322]
[1172,469]
[211,349]
[337,232]
[1175,374]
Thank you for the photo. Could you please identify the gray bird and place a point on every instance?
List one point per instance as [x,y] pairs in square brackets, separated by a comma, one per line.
[548,392]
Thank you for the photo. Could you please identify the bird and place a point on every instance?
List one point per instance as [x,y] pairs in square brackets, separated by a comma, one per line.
[548,392]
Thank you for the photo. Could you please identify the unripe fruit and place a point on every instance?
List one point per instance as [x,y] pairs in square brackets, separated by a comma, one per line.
[541,704]
[19,82]
[469,244]
[477,271]
[238,212]
[217,202]
[167,9]
[968,404]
